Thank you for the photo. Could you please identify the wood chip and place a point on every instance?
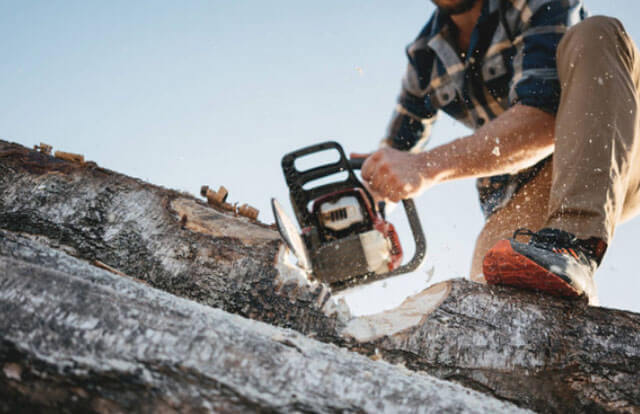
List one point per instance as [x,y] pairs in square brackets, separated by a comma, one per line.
[248,211]
[43,148]
[69,156]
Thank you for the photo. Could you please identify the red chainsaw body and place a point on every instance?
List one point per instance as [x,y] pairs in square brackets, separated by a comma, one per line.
[367,220]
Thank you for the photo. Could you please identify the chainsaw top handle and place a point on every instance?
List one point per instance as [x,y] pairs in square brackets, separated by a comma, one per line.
[296,179]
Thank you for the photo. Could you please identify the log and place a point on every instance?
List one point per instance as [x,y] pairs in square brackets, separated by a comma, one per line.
[539,352]
[99,342]
[168,239]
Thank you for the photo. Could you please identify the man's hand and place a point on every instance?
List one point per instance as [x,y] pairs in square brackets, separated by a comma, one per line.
[393,175]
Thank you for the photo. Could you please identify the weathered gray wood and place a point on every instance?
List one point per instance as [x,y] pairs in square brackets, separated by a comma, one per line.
[539,352]
[169,239]
[104,343]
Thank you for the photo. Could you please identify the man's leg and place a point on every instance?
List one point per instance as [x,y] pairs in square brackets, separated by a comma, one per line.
[596,143]
[595,172]
[527,209]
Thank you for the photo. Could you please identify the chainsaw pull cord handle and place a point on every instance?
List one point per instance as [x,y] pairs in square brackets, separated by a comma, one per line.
[414,223]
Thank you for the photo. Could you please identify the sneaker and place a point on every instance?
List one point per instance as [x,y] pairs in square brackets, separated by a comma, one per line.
[553,261]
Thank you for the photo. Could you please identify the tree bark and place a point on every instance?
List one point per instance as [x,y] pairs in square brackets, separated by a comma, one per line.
[98,342]
[168,239]
[539,352]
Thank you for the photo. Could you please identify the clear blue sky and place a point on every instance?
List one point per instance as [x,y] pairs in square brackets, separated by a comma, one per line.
[215,92]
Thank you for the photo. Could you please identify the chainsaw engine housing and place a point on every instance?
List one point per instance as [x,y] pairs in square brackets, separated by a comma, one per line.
[351,238]
[344,235]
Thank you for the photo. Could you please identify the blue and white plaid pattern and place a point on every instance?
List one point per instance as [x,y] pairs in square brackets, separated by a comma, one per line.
[517,41]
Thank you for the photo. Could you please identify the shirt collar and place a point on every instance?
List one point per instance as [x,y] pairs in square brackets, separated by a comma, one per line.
[443,25]
[440,40]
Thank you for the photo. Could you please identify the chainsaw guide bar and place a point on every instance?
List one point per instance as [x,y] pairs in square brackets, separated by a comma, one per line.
[291,236]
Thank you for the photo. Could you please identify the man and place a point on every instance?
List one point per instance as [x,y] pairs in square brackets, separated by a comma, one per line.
[553,98]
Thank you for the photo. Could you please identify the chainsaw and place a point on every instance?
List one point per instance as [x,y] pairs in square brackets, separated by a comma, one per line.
[345,239]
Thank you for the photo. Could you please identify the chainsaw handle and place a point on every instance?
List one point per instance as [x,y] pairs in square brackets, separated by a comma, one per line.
[356,163]
[415,225]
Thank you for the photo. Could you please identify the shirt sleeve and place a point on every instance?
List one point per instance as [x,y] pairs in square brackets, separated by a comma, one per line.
[413,116]
[535,80]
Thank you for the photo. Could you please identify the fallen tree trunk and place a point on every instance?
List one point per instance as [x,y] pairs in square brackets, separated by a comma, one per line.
[168,239]
[104,343]
[539,352]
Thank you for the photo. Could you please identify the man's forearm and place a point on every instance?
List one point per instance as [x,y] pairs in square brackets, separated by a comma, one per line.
[518,138]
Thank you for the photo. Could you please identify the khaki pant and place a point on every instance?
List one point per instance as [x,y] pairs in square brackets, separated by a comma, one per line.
[593,183]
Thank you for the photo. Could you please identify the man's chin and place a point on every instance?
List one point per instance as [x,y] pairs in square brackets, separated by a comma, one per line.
[453,7]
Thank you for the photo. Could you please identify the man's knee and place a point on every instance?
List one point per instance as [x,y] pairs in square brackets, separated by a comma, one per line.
[592,35]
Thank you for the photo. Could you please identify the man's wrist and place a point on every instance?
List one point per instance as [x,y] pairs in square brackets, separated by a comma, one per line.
[431,170]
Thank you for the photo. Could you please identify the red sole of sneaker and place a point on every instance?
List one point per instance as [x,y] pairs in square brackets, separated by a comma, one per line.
[504,266]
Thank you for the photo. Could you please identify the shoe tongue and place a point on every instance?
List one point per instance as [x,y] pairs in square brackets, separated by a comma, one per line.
[554,237]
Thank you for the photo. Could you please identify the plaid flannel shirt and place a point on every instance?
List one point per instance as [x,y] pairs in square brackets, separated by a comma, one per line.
[511,60]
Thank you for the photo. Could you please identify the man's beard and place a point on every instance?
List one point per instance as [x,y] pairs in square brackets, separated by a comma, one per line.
[461,7]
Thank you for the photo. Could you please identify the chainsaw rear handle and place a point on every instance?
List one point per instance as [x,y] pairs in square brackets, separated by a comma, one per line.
[416,229]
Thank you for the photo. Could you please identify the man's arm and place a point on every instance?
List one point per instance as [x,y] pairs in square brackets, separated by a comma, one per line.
[520,137]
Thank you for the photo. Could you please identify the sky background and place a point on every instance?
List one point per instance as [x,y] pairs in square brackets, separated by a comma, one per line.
[188,93]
